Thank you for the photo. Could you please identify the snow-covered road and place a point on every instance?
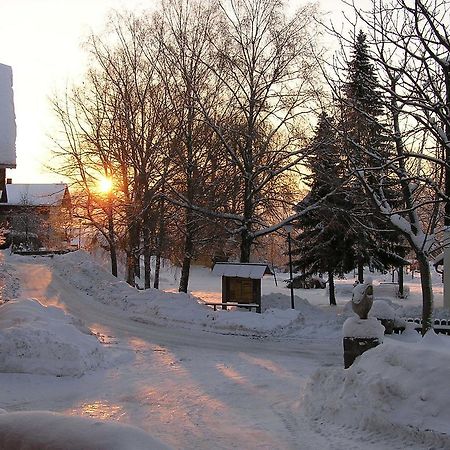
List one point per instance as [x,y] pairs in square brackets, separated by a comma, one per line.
[191,389]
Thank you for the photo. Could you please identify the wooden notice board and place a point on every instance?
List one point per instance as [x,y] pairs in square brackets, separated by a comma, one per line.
[241,290]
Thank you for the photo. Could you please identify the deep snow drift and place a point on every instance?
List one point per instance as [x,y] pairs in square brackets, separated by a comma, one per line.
[398,388]
[44,340]
[51,431]
[178,309]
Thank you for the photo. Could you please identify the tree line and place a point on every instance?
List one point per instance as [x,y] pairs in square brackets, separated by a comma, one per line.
[203,113]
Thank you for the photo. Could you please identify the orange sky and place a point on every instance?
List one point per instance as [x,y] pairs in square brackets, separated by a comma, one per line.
[41,39]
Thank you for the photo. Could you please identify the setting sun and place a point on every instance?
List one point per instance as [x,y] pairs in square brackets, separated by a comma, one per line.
[105,185]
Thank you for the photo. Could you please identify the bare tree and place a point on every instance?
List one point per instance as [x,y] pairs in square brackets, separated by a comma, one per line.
[411,47]
[181,33]
[113,125]
[264,67]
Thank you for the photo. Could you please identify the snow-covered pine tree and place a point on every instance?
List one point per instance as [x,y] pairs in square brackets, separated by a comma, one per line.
[366,145]
[325,243]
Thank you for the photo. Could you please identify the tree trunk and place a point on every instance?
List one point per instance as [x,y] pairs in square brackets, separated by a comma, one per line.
[401,288]
[113,257]
[246,245]
[331,288]
[360,271]
[157,270]
[427,291]
[160,239]
[130,270]
[185,269]
[111,240]
[147,257]
[246,233]
[133,242]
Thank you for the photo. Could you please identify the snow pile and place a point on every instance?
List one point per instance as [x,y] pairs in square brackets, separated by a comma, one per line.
[395,387]
[167,308]
[44,340]
[51,431]
[9,284]
[355,327]
[382,310]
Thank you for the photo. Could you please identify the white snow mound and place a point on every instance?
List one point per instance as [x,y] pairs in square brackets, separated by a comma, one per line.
[184,310]
[363,328]
[44,340]
[382,310]
[51,431]
[397,387]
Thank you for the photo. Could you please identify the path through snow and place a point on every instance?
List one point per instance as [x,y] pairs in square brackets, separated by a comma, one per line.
[190,389]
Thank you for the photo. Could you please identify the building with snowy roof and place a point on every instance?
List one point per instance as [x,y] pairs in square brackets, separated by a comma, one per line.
[43,210]
[38,195]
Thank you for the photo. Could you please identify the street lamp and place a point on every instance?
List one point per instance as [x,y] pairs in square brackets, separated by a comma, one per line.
[288,228]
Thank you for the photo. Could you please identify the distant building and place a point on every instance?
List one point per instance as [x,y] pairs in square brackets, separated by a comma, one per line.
[43,210]
[35,195]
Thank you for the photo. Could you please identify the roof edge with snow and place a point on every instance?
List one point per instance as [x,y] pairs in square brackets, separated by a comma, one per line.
[241,270]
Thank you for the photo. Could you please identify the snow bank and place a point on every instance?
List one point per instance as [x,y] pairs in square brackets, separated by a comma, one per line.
[167,308]
[44,340]
[363,328]
[51,431]
[382,310]
[395,387]
[9,283]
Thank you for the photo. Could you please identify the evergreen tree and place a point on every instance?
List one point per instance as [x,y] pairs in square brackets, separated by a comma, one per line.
[366,145]
[325,243]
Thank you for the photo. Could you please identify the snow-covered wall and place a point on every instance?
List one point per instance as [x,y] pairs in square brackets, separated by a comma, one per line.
[7,119]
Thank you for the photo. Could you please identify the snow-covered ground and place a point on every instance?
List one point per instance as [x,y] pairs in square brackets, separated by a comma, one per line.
[89,346]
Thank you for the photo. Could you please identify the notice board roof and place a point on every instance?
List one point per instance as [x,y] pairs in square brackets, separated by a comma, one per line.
[242,270]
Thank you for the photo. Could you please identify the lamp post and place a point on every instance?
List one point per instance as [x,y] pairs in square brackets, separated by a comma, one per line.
[288,228]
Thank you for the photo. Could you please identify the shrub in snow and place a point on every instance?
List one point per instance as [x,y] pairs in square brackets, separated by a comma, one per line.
[51,431]
[44,340]
[306,282]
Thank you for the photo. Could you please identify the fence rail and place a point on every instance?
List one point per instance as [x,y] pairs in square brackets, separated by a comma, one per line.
[441,326]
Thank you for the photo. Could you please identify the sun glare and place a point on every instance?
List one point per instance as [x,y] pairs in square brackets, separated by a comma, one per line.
[105,185]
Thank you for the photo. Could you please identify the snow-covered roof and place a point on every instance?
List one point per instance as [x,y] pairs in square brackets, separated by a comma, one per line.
[35,194]
[7,119]
[241,270]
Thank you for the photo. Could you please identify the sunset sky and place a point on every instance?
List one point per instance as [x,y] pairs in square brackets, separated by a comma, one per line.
[41,40]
